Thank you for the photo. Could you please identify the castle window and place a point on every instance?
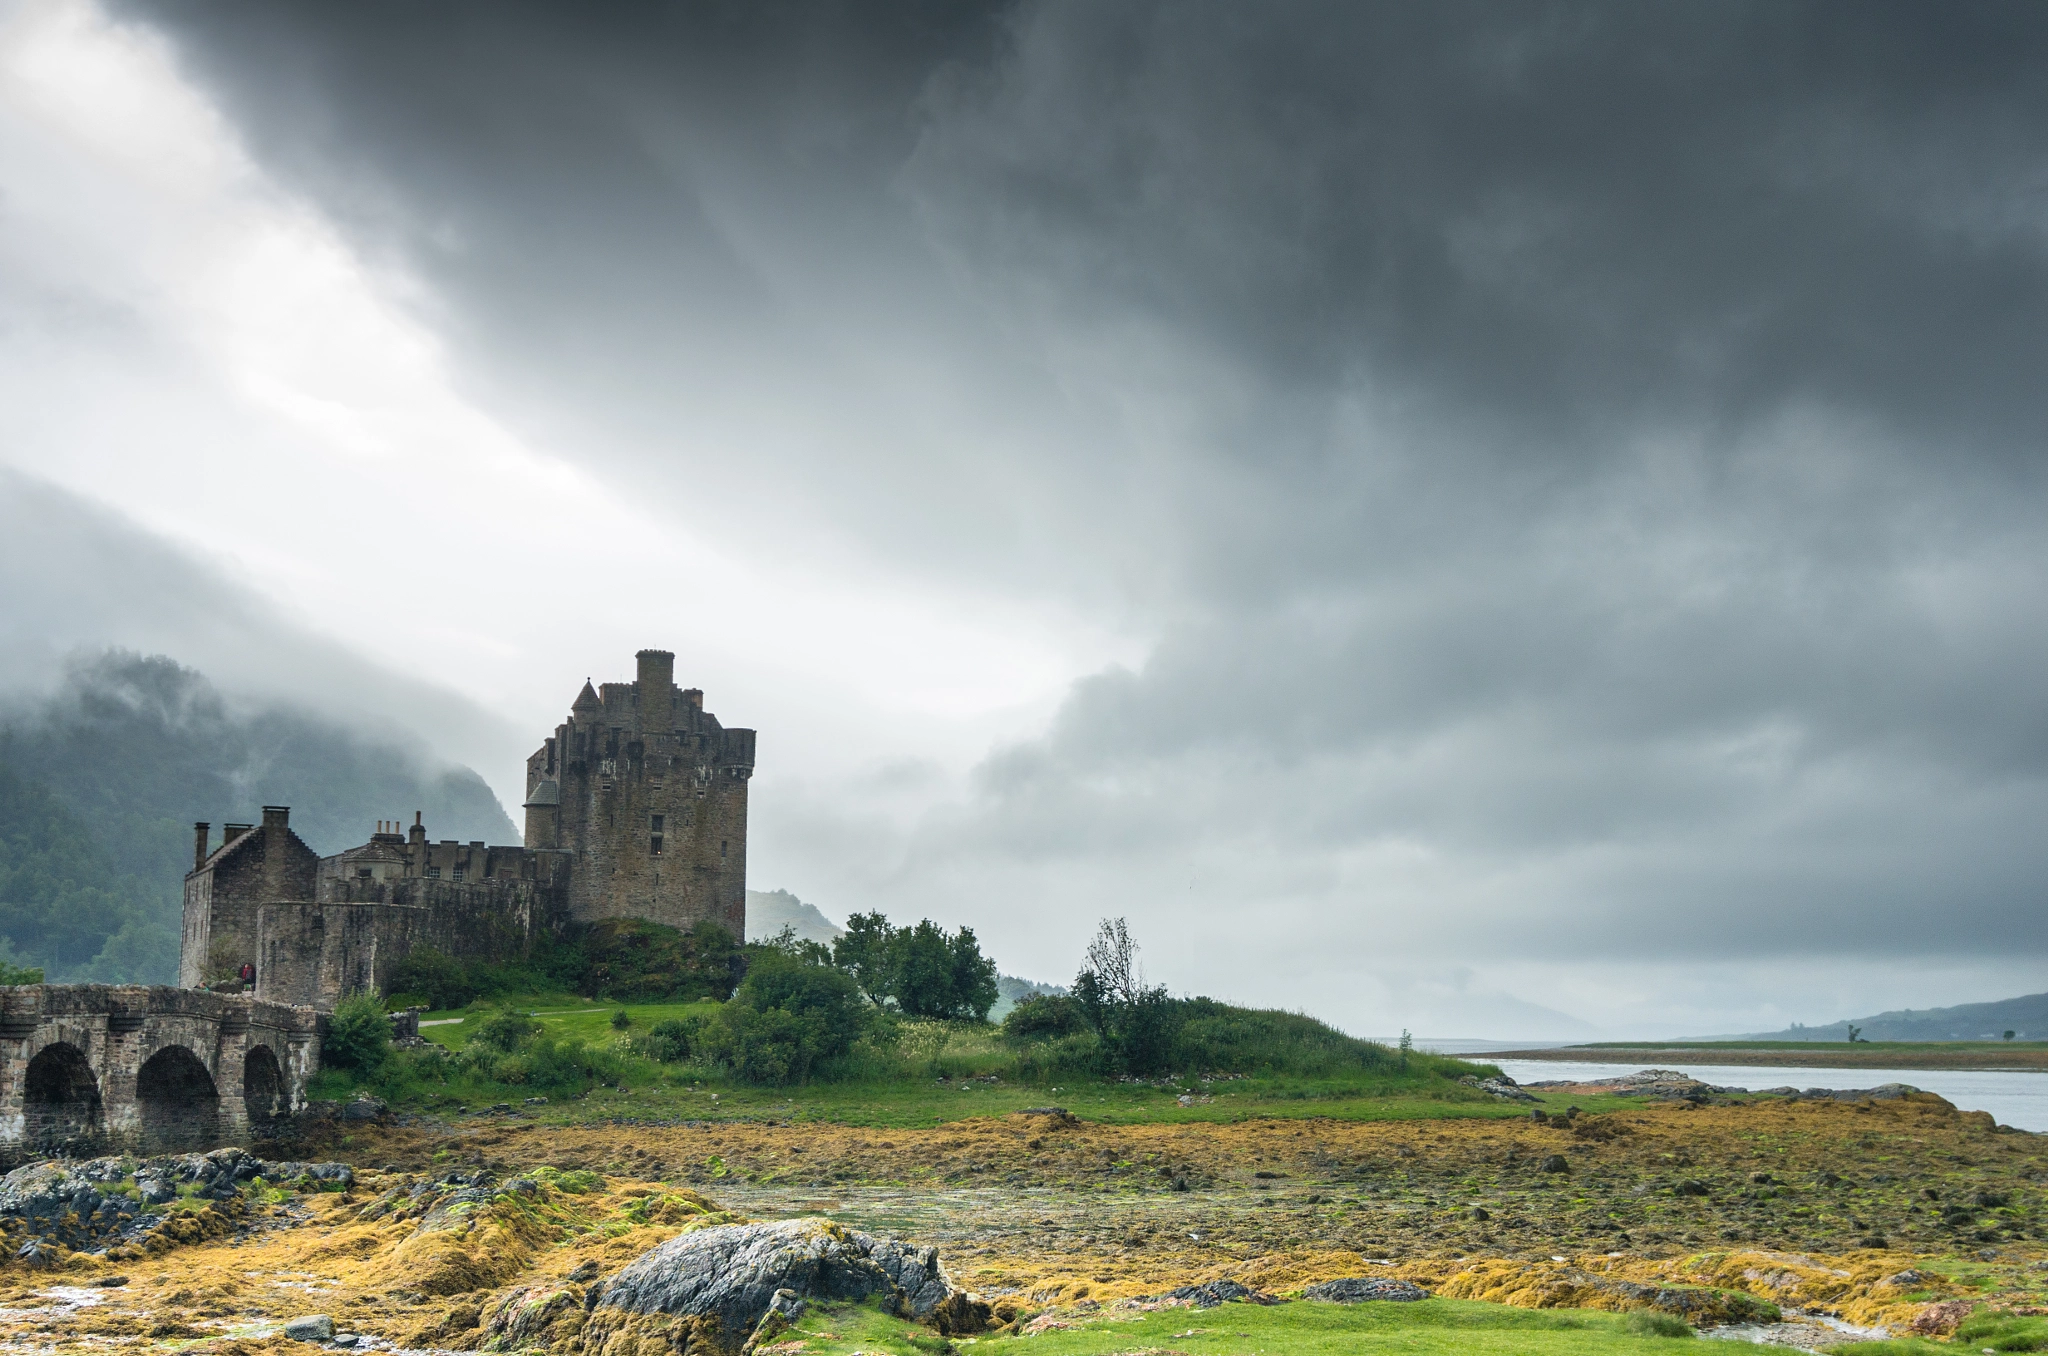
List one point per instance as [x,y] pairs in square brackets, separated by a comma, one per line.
[460,873]
[657,823]
[433,873]
[654,846]
[721,848]
[362,873]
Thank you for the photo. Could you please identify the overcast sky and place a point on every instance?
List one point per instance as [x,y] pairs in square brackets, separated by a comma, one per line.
[1513,520]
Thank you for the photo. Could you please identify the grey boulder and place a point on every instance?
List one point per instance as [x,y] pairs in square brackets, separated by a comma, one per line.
[726,1281]
[1359,1289]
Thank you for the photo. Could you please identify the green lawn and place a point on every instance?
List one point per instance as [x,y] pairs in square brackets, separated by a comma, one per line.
[1302,1328]
[970,1087]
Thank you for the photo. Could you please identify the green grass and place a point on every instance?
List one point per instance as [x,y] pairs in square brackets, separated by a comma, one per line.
[1424,1328]
[942,1072]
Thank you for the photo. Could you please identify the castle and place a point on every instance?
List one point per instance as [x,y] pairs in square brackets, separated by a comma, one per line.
[636,807]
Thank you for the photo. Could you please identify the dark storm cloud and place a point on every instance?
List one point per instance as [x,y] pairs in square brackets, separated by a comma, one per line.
[1593,449]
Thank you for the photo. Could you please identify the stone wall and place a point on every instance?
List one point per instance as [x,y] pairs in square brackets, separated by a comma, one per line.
[258,866]
[101,1067]
[353,939]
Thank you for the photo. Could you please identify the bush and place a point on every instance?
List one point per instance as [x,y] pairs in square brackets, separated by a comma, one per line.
[358,1035]
[674,1039]
[632,960]
[785,1019]
[1044,1017]
[505,1031]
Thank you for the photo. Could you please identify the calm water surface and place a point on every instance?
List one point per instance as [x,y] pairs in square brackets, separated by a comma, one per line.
[2014,1097]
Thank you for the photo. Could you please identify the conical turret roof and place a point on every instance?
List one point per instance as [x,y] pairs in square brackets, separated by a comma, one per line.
[586,700]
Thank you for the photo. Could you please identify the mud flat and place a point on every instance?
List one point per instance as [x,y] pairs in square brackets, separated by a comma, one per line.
[1872,1214]
[2031,1056]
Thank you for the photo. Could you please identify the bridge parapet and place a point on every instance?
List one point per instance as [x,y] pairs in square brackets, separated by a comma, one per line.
[96,1068]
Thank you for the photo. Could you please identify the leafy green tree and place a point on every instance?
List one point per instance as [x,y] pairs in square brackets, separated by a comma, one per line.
[922,969]
[358,1035]
[1138,1024]
[20,974]
[867,952]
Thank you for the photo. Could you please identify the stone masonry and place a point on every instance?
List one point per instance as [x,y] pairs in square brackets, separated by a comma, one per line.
[649,793]
[636,807]
[92,1068]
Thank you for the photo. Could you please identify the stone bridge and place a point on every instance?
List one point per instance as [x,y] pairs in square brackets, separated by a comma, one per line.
[101,1068]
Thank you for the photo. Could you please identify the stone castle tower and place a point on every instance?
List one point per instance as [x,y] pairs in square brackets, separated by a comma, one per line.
[635,808]
[649,793]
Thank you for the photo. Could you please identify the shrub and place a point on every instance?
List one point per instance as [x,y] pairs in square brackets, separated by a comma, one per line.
[674,1039]
[632,960]
[358,1035]
[785,1019]
[505,1031]
[1044,1017]
[620,1021]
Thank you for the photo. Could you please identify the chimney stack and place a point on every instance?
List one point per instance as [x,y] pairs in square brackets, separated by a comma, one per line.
[276,821]
[657,685]
[199,832]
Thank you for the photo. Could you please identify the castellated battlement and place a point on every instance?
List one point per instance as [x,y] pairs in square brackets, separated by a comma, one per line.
[636,807]
[649,792]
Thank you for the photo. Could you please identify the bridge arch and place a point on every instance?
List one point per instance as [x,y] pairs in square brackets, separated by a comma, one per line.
[265,1096]
[62,1112]
[178,1102]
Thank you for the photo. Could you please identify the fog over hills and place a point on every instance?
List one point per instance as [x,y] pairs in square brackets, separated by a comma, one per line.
[102,780]
[1503,521]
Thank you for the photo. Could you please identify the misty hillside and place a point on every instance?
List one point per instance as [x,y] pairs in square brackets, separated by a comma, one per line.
[100,785]
[2026,1018]
[769,911]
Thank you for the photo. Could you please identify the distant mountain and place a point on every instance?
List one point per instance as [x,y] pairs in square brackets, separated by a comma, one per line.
[769,911]
[100,785]
[2026,1018]
[1010,991]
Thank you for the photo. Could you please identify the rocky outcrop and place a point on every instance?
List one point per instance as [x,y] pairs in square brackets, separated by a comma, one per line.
[105,1204]
[726,1288]
[1359,1289]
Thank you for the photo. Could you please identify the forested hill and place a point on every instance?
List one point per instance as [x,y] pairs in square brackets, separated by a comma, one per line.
[100,785]
[2026,1018]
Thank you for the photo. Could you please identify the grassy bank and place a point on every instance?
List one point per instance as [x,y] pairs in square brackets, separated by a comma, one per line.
[584,1067]
[1423,1329]
[1807,1054]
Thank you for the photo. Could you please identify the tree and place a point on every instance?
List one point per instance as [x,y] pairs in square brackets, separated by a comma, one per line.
[923,970]
[866,952]
[1138,1024]
[2010,1034]
[1855,1034]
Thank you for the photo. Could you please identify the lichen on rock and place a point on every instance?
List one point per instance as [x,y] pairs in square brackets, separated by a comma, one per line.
[727,1288]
